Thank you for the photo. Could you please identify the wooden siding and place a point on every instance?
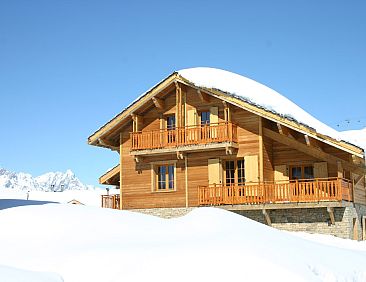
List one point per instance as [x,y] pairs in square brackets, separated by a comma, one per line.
[135,175]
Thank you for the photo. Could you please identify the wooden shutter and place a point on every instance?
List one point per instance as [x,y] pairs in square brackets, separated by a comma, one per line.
[251,168]
[321,170]
[214,115]
[281,173]
[214,171]
[191,117]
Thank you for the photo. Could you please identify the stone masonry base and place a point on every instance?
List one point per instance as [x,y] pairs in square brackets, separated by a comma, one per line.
[311,220]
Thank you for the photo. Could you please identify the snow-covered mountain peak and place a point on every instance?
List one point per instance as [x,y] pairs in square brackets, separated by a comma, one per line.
[50,181]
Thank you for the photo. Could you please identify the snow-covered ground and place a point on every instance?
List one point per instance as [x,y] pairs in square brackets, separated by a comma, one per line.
[11,274]
[86,197]
[82,243]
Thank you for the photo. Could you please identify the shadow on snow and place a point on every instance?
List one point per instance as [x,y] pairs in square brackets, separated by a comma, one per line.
[12,203]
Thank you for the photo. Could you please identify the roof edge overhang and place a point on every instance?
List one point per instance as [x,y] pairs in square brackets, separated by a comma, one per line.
[120,119]
[126,113]
[109,174]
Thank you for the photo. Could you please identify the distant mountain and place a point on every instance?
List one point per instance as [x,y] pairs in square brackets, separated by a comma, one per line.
[51,181]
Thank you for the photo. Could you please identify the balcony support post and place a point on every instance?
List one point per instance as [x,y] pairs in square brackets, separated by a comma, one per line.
[330,210]
[267,217]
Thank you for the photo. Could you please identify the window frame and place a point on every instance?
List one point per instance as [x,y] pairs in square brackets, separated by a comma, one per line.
[236,171]
[208,113]
[302,167]
[155,176]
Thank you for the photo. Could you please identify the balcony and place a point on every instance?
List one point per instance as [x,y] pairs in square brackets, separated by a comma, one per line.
[212,136]
[111,201]
[294,191]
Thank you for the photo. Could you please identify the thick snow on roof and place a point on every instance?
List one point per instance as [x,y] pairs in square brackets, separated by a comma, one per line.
[255,93]
[357,137]
[82,243]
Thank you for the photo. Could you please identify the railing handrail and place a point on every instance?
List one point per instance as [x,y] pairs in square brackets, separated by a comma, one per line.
[184,127]
[282,181]
[319,189]
[187,135]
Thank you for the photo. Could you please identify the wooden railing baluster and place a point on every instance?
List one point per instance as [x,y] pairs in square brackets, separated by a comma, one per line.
[317,190]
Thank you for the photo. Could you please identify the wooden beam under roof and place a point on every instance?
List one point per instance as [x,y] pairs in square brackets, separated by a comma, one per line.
[159,103]
[311,142]
[109,144]
[312,151]
[284,130]
[203,96]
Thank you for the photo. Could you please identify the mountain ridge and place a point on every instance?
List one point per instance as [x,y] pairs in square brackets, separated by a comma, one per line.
[50,181]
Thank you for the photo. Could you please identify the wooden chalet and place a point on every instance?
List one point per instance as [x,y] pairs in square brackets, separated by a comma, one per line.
[184,145]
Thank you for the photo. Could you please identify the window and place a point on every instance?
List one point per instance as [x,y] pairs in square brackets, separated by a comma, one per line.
[170,122]
[164,176]
[229,173]
[241,172]
[170,125]
[205,118]
[302,172]
[235,172]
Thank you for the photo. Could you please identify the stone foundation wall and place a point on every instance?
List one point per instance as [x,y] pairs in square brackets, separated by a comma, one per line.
[165,212]
[315,220]
[311,220]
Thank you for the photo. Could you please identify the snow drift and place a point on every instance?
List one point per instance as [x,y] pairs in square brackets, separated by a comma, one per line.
[89,244]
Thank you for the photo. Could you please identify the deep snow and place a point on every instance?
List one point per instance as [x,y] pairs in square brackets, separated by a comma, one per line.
[92,244]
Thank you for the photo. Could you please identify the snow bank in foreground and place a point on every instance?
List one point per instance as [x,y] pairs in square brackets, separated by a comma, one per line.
[90,244]
[11,274]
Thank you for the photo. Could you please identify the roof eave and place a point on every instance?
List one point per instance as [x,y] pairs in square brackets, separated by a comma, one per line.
[120,118]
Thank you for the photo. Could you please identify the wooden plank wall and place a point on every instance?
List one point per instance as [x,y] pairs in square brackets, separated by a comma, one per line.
[136,177]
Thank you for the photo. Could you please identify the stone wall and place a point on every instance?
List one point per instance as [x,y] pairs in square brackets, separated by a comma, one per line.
[314,220]
[165,212]
[311,220]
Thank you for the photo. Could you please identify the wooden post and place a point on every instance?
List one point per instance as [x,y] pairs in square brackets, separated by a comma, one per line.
[186,178]
[120,167]
[260,137]
[340,169]
[330,210]
[267,217]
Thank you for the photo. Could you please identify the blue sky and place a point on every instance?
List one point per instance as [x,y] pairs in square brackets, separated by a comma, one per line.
[67,67]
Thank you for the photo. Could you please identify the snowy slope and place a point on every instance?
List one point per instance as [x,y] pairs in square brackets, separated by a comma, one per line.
[89,244]
[11,274]
[258,94]
[52,181]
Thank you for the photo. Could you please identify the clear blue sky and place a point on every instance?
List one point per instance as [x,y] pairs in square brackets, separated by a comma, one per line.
[67,67]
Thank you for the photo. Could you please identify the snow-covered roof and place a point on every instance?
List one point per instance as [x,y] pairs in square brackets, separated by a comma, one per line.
[357,137]
[254,93]
[249,91]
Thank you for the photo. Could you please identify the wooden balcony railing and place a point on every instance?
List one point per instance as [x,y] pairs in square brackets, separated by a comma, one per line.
[189,135]
[316,190]
[111,201]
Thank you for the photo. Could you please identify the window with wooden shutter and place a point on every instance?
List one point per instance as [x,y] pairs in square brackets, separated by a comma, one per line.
[214,171]
[321,170]
[251,168]
[281,173]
